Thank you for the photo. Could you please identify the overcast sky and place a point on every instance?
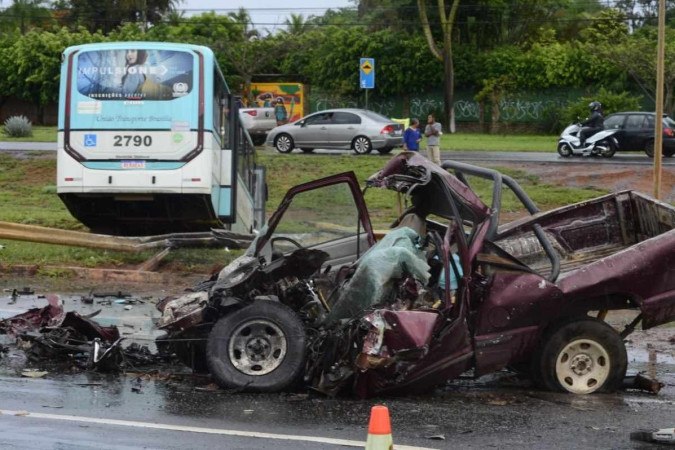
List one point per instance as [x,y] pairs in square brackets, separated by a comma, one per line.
[265,13]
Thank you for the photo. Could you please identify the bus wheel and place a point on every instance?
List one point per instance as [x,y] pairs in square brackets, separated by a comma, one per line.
[284,143]
[260,347]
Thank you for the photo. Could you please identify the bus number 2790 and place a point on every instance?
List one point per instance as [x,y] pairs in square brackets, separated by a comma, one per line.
[125,140]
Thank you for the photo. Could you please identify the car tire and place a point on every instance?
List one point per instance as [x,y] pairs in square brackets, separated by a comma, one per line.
[609,148]
[385,150]
[565,150]
[307,150]
[361,145]
[581,356]
[284,143]
[260,348]
[258,140]
[668,153]
[649,148]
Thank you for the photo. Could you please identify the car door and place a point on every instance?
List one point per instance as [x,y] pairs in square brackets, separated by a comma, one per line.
[637,131]
[344,128]
[616,122]
[313,131]
[328,214]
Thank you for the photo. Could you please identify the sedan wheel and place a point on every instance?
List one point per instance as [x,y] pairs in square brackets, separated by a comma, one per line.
[649,149]
[361,145]
[284,143]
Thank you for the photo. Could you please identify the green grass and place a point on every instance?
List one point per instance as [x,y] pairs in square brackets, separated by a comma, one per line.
[28,194]
[40,134]
[457,141]
[497,142]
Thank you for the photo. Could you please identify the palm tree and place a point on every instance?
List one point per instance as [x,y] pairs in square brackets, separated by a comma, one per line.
[296,24]
[243,20]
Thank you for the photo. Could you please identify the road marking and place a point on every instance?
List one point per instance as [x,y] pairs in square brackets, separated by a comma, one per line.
[164,426]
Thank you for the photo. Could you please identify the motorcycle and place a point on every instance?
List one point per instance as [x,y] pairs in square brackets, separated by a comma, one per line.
[602,143]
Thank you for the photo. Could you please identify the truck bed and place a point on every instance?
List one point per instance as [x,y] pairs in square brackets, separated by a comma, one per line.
[588,231]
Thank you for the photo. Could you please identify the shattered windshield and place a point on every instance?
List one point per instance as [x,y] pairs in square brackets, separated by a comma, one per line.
[317,216]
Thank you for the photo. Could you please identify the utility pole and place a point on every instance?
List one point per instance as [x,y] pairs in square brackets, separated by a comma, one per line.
[658,128]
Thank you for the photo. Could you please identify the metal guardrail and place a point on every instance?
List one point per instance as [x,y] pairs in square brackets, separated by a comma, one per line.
[46,235]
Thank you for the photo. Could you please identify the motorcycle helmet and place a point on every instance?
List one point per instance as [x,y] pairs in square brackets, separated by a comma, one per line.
[594,106]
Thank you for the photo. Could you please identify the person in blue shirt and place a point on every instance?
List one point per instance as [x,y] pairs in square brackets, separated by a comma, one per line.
[412,137]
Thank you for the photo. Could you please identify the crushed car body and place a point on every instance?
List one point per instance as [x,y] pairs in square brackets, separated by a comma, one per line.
[447,290]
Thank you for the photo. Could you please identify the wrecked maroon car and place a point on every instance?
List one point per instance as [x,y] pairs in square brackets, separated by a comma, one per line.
[447,290]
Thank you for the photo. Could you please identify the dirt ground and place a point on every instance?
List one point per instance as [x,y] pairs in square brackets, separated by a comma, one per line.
[603,176]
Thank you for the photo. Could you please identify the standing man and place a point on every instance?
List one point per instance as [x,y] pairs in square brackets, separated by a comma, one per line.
[433,133]
[412,137]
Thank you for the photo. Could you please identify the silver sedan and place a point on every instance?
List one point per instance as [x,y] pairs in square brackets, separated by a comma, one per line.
[357,129]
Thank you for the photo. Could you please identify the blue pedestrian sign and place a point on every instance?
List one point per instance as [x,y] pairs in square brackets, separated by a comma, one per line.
[367,73]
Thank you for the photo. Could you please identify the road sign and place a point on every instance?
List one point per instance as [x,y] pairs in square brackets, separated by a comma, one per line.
[367,73]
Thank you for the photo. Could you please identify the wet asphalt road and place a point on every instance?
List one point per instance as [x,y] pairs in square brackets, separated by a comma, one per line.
[90,410]
[627,158]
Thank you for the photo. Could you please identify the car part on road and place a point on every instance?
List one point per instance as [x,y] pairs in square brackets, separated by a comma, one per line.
[662,436]
[260,347]
[642,383]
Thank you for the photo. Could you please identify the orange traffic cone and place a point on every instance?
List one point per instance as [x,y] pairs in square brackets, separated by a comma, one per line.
[379,429]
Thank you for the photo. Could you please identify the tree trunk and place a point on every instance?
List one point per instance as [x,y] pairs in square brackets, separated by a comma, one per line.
[449,88]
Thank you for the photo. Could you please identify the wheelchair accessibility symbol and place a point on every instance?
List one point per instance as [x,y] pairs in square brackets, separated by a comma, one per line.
[90,140]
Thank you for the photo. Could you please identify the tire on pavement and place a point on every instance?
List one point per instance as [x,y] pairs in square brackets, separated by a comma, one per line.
[581,356]
[260,347]
[284,143]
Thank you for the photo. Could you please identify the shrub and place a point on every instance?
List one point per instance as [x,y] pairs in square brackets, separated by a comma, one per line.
[611,103]
[18,126]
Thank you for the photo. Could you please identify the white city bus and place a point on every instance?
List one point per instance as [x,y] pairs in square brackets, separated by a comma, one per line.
[150,142]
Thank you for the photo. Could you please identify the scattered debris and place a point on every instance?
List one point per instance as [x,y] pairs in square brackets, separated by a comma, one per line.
[31,373]
[437,437]
[662,436]
[643,383]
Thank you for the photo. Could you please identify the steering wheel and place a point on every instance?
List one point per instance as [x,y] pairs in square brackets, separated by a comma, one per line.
[284,238]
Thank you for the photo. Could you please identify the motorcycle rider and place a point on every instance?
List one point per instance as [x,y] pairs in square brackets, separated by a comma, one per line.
[593,124]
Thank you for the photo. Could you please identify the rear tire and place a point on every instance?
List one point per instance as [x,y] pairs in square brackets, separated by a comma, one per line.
[284,143]
[260,347]
[361,145]
[649,148]
[565,150]
[607,148]
[581,356]
[258,140]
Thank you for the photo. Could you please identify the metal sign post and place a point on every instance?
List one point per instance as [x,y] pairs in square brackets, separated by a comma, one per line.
[367,75]
[658,129]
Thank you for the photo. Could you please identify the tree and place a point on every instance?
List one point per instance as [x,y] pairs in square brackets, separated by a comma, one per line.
[447,20]
[25,14]
[296,24]
[108,15]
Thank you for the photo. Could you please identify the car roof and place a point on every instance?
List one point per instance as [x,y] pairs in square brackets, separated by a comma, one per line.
[635,112]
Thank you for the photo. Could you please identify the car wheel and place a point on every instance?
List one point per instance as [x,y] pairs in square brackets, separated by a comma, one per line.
[361,145]
[284,143]
[307,150]
[385,150]
[260,347]
[258,140]
[565,150]
[649,149]
[581,356]
[607,148]
[668,153]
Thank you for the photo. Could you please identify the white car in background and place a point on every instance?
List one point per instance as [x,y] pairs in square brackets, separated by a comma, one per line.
[258,122]
[357,129]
